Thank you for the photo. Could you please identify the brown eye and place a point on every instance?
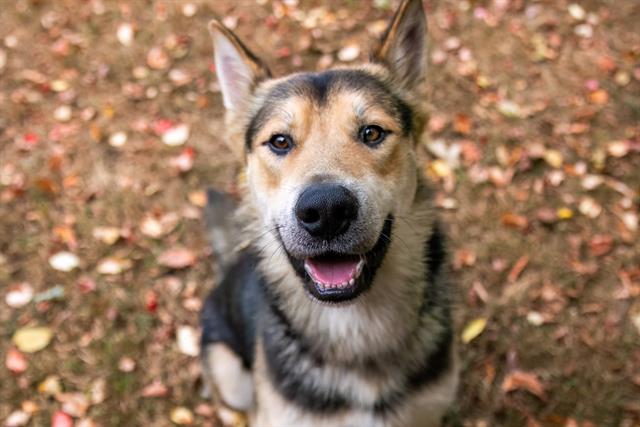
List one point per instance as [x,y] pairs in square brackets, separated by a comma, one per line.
[280,144]
[372,135]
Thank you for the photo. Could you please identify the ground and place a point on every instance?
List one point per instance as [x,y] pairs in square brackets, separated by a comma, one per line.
[110,130]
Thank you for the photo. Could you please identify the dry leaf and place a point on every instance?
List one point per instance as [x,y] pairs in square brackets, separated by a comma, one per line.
[19,295]
[473,329]
[188,342]
[113,265]
[520,380]
[155,389]
[15,361]
[511,219]
[64,261]
[177,257]
[17,418]
[60,419]
[517,268]
[600,244]
[32,339]
[182,416]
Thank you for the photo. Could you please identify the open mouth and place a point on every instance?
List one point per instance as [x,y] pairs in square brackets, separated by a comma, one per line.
[339,277]
[334,271]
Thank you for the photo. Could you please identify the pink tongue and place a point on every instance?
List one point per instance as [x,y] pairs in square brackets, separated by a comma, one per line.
[333,271]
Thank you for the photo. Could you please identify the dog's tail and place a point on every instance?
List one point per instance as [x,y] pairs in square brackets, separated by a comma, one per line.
[223,232]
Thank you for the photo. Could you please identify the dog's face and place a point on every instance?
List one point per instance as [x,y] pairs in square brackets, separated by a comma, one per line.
[329,156]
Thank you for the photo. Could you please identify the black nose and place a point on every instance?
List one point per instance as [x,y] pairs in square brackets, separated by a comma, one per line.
[326,210]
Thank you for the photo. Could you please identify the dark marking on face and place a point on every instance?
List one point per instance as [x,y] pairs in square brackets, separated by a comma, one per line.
[317,87]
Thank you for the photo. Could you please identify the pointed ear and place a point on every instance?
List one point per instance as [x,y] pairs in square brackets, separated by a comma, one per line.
[237,68]
[403,47]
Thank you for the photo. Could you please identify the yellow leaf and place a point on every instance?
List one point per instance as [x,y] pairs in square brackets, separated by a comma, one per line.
[182,416]
[473,329]
[32,339]
[565,213]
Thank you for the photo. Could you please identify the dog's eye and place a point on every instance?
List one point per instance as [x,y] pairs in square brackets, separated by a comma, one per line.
[280,144]
[372,135]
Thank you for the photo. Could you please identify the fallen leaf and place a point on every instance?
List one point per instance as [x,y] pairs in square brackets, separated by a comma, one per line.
[64,261]
[125,34]
[188,343]
[182,416]
[462,124]
[599,97]
[473,329]
[50,386]
[107,235]
[17,418]
[554,158]
[19,295]
[184,161]
[589,207]
[15,361]
[126,364]
[60,419]
[155,389]
[176,135]
[600,244]
[113,265]
[98,391]
[520,380]
[349,53]
[157,59]
[177,257]
[517,268]
[564,213]
[514,220]
[118,139]
[75,404]
[31,339]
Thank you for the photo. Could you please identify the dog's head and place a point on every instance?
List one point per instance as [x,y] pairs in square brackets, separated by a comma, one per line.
[330,156]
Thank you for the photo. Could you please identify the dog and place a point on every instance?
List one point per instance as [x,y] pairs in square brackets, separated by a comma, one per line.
[333,306]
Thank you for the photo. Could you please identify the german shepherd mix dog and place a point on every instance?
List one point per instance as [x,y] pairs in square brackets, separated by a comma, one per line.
[333,307]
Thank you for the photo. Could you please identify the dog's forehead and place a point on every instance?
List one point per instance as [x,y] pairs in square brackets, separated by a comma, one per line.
[323,88]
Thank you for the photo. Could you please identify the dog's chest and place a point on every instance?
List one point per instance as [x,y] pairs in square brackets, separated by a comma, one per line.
[423,408]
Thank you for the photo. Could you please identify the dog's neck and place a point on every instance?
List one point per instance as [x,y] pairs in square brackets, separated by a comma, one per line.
[380,320]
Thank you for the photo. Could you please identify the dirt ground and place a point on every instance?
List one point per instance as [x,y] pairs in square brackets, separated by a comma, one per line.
[110,130]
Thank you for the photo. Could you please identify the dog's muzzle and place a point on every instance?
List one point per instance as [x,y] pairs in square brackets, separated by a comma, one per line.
[326,212]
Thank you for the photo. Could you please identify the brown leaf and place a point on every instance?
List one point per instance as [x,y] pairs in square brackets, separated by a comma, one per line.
[600,244]
[518,267]
[155,389]
[520,380]
[462,124]
[513,220]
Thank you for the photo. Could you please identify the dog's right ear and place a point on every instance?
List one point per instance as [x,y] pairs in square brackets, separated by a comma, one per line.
[238,69]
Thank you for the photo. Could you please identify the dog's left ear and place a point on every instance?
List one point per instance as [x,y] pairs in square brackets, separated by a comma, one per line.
[238,69]
[403,47]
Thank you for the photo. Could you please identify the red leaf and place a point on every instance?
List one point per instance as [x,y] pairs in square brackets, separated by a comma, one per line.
[520,265]
[60,419]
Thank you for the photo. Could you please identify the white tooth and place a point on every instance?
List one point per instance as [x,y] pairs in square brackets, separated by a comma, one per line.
[352,282]
[359,267]
[307,268]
